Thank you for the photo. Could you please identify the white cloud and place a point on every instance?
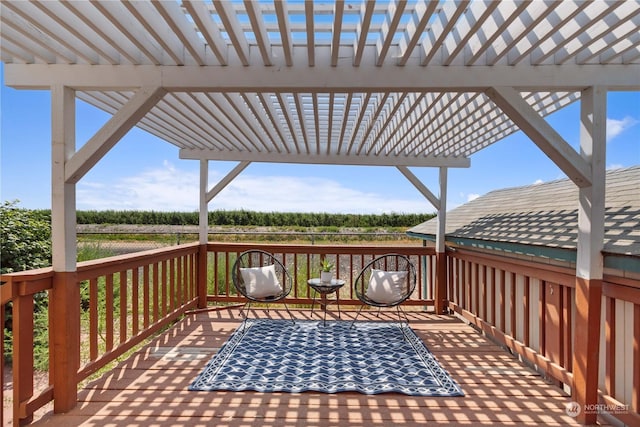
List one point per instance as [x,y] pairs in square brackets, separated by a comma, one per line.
[171,189]
[471,197]
[616,127]
[162,189]
[538,181]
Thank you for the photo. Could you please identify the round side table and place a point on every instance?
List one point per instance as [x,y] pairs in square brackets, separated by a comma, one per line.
[324,289]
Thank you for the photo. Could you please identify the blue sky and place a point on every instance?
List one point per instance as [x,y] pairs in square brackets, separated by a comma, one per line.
[144,173]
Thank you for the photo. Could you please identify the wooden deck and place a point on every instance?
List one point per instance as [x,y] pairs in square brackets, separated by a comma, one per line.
[150,387]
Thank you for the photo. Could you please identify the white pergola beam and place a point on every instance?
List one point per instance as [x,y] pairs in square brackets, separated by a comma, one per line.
[322,78]
[542,134]
[322,159]
[111,132]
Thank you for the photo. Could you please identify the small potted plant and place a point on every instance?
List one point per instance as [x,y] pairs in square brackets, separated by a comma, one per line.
[326,270]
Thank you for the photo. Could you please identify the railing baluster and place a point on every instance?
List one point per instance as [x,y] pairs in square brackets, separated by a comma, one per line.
[172,285]
[525,310]
[542,317]
[135,302]
[156,292]
[164,286]
[93,318]
[493,295]
[610,345]
[146,296]
[503,300]
[109,312]
[123,306]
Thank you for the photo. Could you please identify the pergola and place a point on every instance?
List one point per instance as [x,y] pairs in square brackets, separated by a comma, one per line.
[400,83]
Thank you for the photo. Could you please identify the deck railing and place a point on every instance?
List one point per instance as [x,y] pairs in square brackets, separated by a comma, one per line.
[526,306]
[126,299]
[529,308]
[129,298]
[303,263]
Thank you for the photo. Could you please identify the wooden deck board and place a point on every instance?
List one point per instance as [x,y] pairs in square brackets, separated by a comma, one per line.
[150,387]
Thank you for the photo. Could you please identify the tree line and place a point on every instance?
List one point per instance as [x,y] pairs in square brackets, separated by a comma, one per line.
[252,218]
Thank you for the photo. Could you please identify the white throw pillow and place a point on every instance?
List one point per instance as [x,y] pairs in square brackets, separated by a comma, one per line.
[261,282]
[386,286]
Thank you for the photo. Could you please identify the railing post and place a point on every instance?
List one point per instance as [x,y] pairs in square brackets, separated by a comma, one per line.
[586,353]
[65,349]
[22,355]
[440,294]
[202,275]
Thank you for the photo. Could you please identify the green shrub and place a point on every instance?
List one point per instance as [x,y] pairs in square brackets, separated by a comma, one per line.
[25,239]
[25,244]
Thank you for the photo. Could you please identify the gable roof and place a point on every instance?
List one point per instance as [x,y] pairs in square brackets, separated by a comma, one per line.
[546,215]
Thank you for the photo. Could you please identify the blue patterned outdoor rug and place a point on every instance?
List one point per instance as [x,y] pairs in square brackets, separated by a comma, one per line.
[370,358]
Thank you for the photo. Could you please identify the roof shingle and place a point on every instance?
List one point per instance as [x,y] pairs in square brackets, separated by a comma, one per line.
[547,215]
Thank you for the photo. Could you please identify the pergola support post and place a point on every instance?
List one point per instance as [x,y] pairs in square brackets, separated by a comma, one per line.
[589,264]
[440,203]
[204,235]
[65,296]
[440,294]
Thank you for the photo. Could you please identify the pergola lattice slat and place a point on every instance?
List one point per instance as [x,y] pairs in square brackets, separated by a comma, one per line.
[306,79]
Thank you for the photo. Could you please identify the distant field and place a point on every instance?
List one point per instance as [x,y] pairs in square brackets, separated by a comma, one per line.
[122,238]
